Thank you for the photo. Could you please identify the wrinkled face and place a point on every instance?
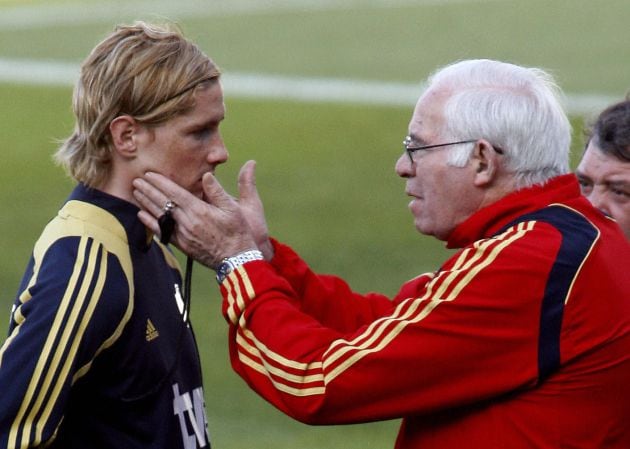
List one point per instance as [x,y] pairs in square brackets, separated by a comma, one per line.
[188,145]
[442,196]
[605,181]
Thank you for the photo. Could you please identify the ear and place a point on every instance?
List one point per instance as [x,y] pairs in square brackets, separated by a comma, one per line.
[123,130]
[485,163]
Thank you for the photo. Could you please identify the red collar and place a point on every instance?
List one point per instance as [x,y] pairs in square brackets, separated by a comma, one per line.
[487,221]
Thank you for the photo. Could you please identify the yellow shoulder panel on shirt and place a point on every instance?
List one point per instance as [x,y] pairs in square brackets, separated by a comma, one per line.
[78,218]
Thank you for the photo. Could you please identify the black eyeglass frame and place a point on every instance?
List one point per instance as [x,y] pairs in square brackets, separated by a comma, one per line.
[410,150]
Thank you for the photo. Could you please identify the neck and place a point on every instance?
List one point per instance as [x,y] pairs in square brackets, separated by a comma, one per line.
[503,186]
[119,186]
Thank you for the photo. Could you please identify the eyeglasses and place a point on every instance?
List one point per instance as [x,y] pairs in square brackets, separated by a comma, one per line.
[410,150]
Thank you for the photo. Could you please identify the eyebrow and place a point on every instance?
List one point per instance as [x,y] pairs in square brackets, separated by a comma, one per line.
[211,121]
[620,183]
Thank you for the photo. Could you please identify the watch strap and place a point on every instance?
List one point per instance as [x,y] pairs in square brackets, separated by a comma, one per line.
[229,264]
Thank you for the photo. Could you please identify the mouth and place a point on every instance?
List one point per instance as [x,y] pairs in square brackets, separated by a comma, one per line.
[197,188]
[210,170]
[415,202]
[198,185]
[412,195]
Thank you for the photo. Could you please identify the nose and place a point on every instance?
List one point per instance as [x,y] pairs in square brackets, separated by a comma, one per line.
[217,152]
[404,167]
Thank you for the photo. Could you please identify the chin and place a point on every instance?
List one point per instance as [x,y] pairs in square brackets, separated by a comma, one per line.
[420,228]
[424,228]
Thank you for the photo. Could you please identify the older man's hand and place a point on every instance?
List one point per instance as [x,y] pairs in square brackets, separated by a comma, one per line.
[208,231]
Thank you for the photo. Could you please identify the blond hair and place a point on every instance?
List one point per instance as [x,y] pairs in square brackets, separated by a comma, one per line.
[147,71]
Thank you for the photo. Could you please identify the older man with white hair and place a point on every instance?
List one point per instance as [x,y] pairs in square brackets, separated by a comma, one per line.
[520,340]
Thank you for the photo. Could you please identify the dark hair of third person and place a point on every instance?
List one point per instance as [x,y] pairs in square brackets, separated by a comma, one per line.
[611,131]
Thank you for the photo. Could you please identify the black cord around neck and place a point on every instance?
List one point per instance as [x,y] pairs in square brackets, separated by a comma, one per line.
[187,288]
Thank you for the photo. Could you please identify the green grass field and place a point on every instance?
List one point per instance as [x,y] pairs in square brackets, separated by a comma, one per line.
[325,170]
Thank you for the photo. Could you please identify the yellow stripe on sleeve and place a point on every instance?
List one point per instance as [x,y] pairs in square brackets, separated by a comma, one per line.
[445,286]
[101,274]
[21,424]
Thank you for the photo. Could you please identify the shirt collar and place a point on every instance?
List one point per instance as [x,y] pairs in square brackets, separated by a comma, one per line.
[125,212]
[490,219]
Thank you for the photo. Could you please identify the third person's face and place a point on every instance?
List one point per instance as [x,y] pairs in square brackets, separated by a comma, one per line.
[605,181]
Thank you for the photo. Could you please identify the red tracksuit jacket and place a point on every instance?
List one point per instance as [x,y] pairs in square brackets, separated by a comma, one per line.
[520,340]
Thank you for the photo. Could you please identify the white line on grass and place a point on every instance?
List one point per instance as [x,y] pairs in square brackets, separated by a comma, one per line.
[251,85]
[78,13]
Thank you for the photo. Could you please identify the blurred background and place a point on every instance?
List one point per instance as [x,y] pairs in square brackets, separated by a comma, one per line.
[320,93]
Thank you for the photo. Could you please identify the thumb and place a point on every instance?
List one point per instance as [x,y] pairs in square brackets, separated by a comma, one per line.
[247,182]
[213,191]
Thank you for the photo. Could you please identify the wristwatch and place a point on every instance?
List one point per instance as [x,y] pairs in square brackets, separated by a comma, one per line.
[229,264]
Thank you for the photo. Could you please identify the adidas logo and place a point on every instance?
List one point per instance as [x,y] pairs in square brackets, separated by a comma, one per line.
[151,332]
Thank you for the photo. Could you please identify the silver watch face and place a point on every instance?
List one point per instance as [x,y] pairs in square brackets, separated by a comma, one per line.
[229,264]
[223,270]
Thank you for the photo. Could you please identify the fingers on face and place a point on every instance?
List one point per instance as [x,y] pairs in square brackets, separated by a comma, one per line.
[150,198]
[247,175]
[169,189]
